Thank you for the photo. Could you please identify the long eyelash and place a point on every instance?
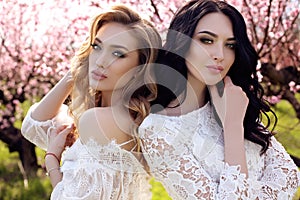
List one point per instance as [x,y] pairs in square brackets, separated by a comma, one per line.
[233,45]
[119,54]
[206,40]
[93,45]
[122,55]
[96,46]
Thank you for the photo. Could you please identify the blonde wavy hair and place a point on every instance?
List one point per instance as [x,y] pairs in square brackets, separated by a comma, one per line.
[136,100]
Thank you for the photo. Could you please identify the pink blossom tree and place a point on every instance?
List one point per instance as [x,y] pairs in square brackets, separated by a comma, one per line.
[273,27]
[38,39]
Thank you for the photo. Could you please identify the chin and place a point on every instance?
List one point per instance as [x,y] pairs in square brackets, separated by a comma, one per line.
[212,81]
[94,85]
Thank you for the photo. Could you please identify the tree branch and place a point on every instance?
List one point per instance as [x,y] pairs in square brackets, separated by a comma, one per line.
[156,10]
[267,28]
[252,24]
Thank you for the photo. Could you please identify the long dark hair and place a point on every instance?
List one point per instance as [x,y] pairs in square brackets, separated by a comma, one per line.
[242,72]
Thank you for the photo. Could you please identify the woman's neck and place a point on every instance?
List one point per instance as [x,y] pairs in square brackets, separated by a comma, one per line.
[194,99]
[196,93]
[109,98]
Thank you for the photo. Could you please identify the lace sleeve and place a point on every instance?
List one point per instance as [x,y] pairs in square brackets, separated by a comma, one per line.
[36,131]
[281,177]
[174,164]
[180,174]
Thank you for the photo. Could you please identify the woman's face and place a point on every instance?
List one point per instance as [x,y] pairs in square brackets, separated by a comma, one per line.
[113,59]
[211,53]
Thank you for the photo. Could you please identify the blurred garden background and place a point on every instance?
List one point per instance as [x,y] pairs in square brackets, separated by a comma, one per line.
[39,37]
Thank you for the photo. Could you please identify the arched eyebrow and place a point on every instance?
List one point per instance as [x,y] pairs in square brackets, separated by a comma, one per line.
[215,35]
[112,45]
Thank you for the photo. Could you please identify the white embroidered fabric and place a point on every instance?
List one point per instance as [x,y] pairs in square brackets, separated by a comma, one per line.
[91,171]
[186,153]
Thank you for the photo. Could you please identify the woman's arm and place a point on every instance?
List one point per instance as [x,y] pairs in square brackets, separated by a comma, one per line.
[234,146]
[281,177]
[175,166]
[56,146]
[47,114]
[231,109]
[172,162]
[53,170]
[50,104]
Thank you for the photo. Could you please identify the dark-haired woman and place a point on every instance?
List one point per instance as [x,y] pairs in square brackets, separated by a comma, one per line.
[214,144]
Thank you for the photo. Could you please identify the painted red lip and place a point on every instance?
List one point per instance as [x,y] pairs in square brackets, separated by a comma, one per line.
[215,68]
[98,75]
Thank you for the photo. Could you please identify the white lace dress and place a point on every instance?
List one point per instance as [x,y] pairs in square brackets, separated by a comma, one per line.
[91,171]
[186,154]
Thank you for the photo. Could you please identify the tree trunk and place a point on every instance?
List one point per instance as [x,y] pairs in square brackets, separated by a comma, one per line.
[16,142]
[290,97]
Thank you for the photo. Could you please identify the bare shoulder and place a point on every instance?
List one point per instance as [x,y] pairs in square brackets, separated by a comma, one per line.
[105,124]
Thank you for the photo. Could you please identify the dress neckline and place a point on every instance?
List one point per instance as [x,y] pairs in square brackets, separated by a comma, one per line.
[204,108]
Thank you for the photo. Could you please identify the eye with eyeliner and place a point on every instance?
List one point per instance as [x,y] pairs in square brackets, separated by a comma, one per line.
[96,46]
[231,45]
[119,54]
[206,40]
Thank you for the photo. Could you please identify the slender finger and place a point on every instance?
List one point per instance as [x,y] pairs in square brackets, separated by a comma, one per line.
[61,128]
[66,131]
[52,132]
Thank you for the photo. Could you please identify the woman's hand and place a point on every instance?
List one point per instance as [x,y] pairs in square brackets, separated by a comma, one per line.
[231,108]
[232,105]
[56,145]
[57,139]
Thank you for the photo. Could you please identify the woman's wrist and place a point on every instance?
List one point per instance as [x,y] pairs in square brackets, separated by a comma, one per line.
[51,161]
[68,80]
[53,155]
[52,170]
[52,164]
[233,126]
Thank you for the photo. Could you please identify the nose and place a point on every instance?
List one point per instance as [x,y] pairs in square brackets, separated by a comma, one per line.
[218,54]
[100,61]
[103,59]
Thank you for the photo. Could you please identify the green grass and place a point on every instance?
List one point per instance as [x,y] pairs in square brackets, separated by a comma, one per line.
[288,130]
[288,127]
[158,192]
[12,184]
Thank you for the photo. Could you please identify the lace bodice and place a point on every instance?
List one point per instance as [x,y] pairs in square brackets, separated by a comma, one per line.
[91,171]
[186,153]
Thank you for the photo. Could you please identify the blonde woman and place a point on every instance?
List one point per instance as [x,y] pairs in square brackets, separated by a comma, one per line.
[109,99]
